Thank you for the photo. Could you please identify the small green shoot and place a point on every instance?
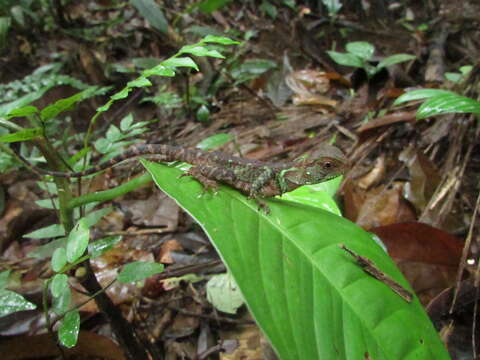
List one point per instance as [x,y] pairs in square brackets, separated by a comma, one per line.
[360,53]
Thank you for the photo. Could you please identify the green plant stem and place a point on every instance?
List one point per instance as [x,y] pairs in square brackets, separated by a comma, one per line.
[48,323]
[69,267]
[124,333]
[91,127]
[110,194]
[63,185]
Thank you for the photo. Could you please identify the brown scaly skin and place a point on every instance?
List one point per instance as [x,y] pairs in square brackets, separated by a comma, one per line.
[252,177]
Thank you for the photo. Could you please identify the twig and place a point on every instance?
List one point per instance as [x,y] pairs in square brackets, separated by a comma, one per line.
[370,268]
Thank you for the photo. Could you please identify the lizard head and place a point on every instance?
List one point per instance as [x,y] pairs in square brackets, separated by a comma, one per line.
[323,164]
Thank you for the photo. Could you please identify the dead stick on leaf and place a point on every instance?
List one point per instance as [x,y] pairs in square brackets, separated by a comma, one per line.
[370,268]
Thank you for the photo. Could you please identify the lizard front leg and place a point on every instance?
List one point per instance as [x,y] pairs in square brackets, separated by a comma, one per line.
[200,175]
[257,178]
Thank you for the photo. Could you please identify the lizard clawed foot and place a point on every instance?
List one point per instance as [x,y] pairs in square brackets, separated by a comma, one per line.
[207,189]
[262,205]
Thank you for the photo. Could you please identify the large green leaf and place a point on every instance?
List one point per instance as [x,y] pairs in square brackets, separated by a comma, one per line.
[448,104]
[11,302]
[65,104]
[22,135]
[310,297]
[421,94]
[7,108]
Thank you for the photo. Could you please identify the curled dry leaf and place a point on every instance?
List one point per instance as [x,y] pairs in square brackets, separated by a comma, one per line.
[164,255]
[308,87]
[424,178]
[378,206]
[374,176]
[249,343]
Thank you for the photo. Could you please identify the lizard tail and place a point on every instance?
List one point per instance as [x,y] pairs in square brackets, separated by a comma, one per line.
[167,152]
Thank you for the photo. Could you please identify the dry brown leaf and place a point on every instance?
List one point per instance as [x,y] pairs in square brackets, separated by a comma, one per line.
[164,255]
[378,206]
[428,257]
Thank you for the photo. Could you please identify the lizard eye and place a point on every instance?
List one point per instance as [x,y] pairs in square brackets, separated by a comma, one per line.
[327,165]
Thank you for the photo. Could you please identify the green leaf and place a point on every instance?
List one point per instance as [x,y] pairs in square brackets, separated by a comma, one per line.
[180,62]
[122,94]
[62,105]
[47,203]
[209,6]
[362,49]
[47,250]
[395,59]
[333,6]
[77,240]
[139,82]
[22,112]
[5,22]
[318,195]
[269,9]
[69,328]
[465,70]
[215,141]
[11,302]
[421,94]
[346,59]
[22,135]
[94,217]
[59,259]
[138,270]
[78,156]
[159,70]
[220,40]
[223,293]
[126,122]
[253,67]
[203,114]
[106,106]
[61,303]
[150,10]
[200,51]
[448,104]
[4,279]
[98,247]
[18,14]
[453,77]
[50,231]
[7,108]
[59,285]
[311,298]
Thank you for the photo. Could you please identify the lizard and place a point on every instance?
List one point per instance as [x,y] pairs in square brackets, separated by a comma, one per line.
[255,178]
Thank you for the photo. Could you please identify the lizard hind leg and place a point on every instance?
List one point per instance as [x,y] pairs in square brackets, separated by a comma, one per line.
[208,184]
